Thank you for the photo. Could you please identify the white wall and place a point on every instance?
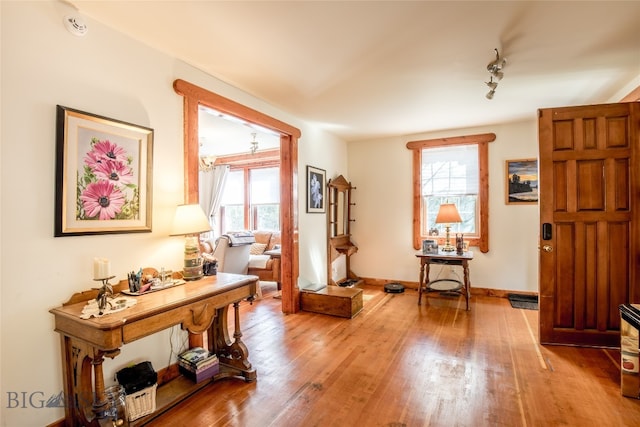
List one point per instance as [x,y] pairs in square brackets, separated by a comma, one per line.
[382,172]
[109,74]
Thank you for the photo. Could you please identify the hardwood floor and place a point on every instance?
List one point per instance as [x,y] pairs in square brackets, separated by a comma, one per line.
[400,364]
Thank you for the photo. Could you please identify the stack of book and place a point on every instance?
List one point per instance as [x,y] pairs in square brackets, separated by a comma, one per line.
[198,364]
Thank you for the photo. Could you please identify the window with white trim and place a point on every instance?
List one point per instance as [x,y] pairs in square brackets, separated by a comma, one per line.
[450,175]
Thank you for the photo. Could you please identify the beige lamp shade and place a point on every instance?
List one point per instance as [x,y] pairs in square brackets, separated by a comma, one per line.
[448,214]
[189,219]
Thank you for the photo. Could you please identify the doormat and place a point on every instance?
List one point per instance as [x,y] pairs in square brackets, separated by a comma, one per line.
[528,302]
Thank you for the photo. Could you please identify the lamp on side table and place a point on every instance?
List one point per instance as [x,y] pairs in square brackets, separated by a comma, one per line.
[447,214]
[190,221]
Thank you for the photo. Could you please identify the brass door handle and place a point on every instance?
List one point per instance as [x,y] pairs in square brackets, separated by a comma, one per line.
[547,248]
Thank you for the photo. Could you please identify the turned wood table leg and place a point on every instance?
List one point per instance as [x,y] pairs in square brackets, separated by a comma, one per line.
[234,355]
[100,401]
[424,278]
[467,285]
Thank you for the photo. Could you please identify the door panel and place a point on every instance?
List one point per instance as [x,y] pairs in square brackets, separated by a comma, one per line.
[587,192]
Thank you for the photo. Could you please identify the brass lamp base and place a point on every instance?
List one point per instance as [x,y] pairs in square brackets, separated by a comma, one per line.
[448,248]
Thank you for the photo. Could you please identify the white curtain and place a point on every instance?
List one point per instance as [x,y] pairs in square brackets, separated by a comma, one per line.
[211,185]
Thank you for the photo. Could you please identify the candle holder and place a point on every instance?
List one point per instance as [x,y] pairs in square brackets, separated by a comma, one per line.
[104,292]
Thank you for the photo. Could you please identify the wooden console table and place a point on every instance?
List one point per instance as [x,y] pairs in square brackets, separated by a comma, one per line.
[444,258]
[199,306]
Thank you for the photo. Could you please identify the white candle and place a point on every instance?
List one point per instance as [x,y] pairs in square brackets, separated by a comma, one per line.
[101,268]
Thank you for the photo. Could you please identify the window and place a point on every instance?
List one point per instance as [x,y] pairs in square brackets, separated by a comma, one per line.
[251,199]
[453,170]
[232,204]
[450,175]
[265,198]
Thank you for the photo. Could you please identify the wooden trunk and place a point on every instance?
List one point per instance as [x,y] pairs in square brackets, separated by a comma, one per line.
[333,300]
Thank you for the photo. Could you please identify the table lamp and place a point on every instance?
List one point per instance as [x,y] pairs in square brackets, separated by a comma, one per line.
[190,221]
[448,214]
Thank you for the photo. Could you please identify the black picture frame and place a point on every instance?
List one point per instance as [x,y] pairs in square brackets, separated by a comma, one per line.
[103,175]
[316,190]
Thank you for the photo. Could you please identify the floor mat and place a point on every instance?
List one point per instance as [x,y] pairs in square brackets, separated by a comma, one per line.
[528,302]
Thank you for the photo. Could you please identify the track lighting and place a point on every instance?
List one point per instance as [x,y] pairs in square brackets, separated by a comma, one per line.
[492,85]
[495,67]
[495,70]
[254,144]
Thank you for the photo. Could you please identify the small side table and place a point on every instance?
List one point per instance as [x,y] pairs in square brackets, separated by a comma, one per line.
[444,258]
[276,254]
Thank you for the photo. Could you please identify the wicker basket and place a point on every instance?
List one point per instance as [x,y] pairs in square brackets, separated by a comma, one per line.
[141,403]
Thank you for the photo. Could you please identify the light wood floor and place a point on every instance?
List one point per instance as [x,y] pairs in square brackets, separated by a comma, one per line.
[400,364]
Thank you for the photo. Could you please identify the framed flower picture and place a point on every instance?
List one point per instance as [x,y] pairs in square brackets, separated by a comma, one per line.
[103,175]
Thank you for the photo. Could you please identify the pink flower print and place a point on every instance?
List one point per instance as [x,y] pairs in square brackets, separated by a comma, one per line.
[116,172]
[102,198]
[93,159]
[106,150]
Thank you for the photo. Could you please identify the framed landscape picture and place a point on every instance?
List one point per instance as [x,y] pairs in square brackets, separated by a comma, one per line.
[521,181]
[103,175]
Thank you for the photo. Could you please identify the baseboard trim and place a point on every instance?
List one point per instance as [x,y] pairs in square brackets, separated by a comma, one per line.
[499,293]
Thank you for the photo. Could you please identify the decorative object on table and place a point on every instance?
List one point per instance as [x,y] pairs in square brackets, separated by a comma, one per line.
[190,221]
[210,265]
[135,280]
[448,214]
[103,175]
[102,273]
[429,246]
[198,364]
[434,231]
[150,280]
[521,182]
[316,180]
[140,383]
[113,304]
[459,244]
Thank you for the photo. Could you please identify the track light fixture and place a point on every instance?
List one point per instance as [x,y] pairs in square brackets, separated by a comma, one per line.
[254,144]
[495,70]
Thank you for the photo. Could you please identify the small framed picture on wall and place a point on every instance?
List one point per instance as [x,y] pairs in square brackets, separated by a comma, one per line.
[316,184]
[521,181]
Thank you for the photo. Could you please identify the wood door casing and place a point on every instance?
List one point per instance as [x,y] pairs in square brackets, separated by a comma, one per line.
[588,193]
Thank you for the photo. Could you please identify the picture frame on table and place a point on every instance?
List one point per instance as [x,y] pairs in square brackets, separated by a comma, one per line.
[429,246]
[521,183]
[103,175]
[316,190]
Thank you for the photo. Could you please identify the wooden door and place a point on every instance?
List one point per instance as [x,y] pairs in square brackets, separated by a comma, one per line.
[589,171]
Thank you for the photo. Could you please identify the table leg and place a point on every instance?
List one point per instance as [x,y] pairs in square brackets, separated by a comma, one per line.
[233,355]
[467,285]
[424,278]
[85,400]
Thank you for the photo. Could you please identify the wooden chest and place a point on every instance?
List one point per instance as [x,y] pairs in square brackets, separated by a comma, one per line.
[333,300]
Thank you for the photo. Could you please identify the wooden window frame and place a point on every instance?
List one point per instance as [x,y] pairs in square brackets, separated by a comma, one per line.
[482,141]
[246,163]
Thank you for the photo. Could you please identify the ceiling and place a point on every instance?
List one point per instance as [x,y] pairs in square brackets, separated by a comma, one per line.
[371,69]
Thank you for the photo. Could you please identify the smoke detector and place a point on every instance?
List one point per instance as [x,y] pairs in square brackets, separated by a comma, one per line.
[75,25]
